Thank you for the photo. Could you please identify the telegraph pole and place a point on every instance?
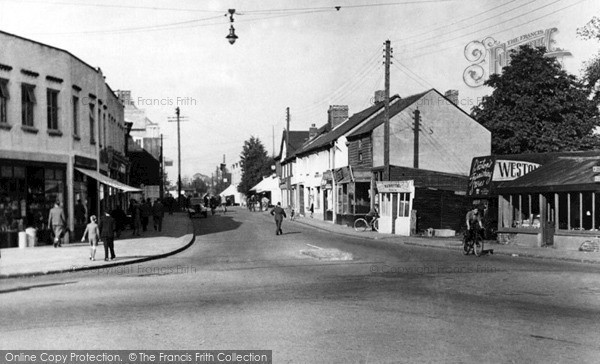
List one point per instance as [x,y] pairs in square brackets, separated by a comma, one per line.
[386,114]
[177,119]
[416,137]
[161,192]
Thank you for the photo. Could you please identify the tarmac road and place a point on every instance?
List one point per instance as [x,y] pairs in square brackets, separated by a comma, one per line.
[241,287]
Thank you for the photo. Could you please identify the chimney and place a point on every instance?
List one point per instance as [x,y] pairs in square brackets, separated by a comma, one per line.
[379,96]
[337,114]
[312,132]
[452,95]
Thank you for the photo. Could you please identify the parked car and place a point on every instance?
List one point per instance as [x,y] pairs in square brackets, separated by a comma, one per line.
[197,208]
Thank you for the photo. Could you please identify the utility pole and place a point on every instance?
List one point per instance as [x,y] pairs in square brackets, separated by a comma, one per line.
[386,114]
[161,192]
[177,119]
[417,128]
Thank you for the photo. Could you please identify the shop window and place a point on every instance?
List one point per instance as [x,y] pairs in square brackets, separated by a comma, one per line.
[362,203]
[4,96]
[52,108]
[28,102]
[404,205]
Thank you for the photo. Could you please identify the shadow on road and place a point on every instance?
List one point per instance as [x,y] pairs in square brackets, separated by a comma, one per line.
[215,224]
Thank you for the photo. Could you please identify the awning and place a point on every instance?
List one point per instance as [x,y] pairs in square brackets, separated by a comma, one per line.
[268,184]
[108,181]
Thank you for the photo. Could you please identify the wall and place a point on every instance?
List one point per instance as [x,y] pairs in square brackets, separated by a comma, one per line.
[365,149]
[448,141]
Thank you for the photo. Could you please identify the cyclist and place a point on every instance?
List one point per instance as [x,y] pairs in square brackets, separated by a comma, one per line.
[473,218]
[372,214]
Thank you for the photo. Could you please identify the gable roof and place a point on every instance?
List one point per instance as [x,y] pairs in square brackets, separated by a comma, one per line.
[327,137]
[396,108]
[297,138]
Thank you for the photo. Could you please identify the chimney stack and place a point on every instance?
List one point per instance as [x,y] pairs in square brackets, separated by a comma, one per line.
[379,96]
[337,114]
[452,95]
[312,132]
[125,97]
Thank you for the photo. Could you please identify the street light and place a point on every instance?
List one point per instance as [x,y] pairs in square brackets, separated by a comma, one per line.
[231,37]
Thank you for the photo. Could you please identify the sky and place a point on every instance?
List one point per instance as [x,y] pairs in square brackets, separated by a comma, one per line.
[301,54]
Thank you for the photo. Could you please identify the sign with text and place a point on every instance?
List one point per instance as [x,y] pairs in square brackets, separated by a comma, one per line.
[506,170]
[395,186]
[480,178]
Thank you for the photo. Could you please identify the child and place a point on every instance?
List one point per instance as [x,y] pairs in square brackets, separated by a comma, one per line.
[92,232]
[292,218]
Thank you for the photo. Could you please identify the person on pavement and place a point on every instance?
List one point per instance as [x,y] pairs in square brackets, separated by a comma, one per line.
[80,213]
[120,219]
[57,222]
[279,214]
[93,234]
[107,235]
[158,212]
[136,221]
[145,212]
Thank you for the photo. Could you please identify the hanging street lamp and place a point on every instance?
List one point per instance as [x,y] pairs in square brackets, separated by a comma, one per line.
[231,37]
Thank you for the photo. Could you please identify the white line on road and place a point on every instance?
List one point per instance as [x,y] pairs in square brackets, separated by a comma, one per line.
[314,246]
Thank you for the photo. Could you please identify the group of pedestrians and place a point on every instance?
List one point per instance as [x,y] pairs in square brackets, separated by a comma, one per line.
[140,215]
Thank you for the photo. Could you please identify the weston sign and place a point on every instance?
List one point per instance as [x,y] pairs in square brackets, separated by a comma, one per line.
[489,56]
[484,170]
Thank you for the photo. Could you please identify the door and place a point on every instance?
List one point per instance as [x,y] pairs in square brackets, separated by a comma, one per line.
[403,219]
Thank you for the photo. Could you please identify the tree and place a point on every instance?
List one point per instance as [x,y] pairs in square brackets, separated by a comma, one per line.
[591,68]
[255,164]
[537,107]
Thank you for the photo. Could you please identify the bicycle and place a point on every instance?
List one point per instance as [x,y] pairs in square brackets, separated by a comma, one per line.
[362,223]
[474,245]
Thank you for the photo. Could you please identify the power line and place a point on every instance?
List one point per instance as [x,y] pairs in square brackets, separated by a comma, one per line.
[494,33]
[137,7]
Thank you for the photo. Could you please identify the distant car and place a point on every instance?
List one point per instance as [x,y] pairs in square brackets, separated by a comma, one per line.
[197,208]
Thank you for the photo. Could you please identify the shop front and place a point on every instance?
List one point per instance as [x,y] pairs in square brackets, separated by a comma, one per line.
[556,205]
[28,190]
[327,187]
[353,194]
[396,204]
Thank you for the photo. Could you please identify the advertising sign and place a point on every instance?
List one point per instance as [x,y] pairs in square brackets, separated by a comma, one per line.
[506,170]
[480,178]
[395,186]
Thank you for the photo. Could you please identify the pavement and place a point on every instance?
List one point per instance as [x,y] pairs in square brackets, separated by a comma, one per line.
[454,243]
[177,234]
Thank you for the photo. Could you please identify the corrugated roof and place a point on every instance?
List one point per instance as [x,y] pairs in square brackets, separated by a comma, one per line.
[395,108]
[328,137]
[561,174]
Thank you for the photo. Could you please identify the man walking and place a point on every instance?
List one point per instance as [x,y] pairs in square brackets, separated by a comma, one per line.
[158,212]
[107,235]
[145,211]
[57,222]
[279,214]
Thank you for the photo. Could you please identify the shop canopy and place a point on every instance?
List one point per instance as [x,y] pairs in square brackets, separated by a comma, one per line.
[108,181]
[268,184]
[563,174]
[231,190]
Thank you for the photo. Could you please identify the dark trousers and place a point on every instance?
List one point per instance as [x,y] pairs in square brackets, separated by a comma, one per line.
[278,226]
[109,243]
[145,220]
[157,222]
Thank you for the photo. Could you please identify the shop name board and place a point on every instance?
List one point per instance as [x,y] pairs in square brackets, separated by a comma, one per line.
[489,56]
[509,170]
[395,186]
[596,169]
[480,178]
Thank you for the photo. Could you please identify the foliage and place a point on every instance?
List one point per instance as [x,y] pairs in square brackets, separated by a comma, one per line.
[256,164]
[590,30]
[591,68]
[199,186]
[537,107]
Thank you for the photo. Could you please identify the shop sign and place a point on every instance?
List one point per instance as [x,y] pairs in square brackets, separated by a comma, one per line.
[506,170]
[395,186]
[596,169]
[480,178]
[86,163]
[596,178]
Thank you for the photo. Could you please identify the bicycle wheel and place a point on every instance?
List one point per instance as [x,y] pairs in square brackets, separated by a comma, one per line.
[477,245]
[361,224]
[375,225]
[466,246]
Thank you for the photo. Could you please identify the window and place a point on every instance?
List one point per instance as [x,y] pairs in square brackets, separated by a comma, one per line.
[404,205]
[75,115]
[92,124]
[27,104]
[360,157]
[4,96]
[52,108]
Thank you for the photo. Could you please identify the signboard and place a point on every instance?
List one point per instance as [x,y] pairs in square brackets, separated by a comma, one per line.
[395,186]
[506,170]
[480,178]
[596,178]
[596,169]
[152,192]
